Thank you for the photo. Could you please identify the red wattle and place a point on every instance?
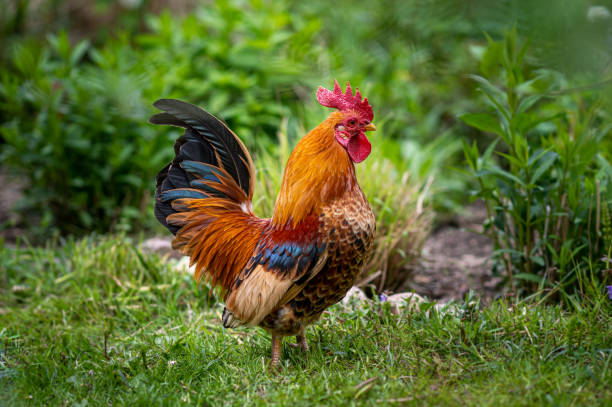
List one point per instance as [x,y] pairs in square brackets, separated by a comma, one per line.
[359,147]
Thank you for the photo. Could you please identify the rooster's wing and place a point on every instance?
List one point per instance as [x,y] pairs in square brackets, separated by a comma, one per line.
[283,263]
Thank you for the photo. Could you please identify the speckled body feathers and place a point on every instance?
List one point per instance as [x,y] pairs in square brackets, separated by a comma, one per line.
[348,226]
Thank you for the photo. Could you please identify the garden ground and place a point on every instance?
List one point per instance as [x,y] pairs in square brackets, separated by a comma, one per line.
[96,321]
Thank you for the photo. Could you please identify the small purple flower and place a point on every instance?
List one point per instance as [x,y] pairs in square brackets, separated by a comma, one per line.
[383,297]
[610,291]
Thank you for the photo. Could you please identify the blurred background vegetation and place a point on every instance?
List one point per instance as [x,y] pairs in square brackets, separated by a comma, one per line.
[505,101]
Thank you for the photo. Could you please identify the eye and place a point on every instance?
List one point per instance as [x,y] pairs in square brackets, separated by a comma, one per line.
[352,122]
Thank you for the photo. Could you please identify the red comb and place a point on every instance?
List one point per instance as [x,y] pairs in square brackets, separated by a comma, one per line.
[345,101]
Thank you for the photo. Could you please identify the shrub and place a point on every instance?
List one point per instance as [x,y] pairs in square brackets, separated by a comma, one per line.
[75,132]
[244,61]
[73,118]
[545,181]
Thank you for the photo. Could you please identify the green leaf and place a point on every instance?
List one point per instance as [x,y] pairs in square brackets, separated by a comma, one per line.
[527,121]
[505,174]
[482,121]
[78,52]
[489,64]
[543,166]
[486,156]
[468,152]
[511,251]
[539,260]
[527,103]
[511,159]
[529,277]
[487,86]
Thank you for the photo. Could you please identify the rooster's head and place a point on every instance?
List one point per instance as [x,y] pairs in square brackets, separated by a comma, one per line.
[354,120]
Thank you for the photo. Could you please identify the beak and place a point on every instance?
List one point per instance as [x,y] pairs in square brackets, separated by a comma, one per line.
[370,127]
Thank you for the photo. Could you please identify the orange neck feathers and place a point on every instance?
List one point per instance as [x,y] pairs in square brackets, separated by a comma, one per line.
[318,171]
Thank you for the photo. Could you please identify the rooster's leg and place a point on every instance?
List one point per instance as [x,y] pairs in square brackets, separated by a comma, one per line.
[277,342]
[301,340]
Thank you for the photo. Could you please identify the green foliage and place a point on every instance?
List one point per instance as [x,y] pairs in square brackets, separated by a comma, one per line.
[244,61]
[75,130]
[254,64]
[138,332]
[545,178]
[570,36]
[73,118]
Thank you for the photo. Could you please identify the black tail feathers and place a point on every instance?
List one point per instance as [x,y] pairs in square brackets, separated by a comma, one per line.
[207,144]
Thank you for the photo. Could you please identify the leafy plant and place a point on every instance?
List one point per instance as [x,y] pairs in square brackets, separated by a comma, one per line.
[544,179]
[74,130]
[244,61]
[90,158]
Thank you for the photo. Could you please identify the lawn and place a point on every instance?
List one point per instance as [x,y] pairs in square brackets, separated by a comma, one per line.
[98,322]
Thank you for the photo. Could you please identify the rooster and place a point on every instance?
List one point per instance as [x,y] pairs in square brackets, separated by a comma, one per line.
[279,273]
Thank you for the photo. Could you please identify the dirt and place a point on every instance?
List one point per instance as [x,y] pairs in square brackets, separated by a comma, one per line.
[456,260]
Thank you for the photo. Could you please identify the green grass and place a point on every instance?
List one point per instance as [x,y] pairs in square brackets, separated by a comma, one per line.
[97,322]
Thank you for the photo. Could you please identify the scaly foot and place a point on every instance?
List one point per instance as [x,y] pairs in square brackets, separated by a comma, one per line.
[277,342]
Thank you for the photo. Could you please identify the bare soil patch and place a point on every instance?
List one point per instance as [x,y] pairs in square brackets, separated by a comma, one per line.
[455,260]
